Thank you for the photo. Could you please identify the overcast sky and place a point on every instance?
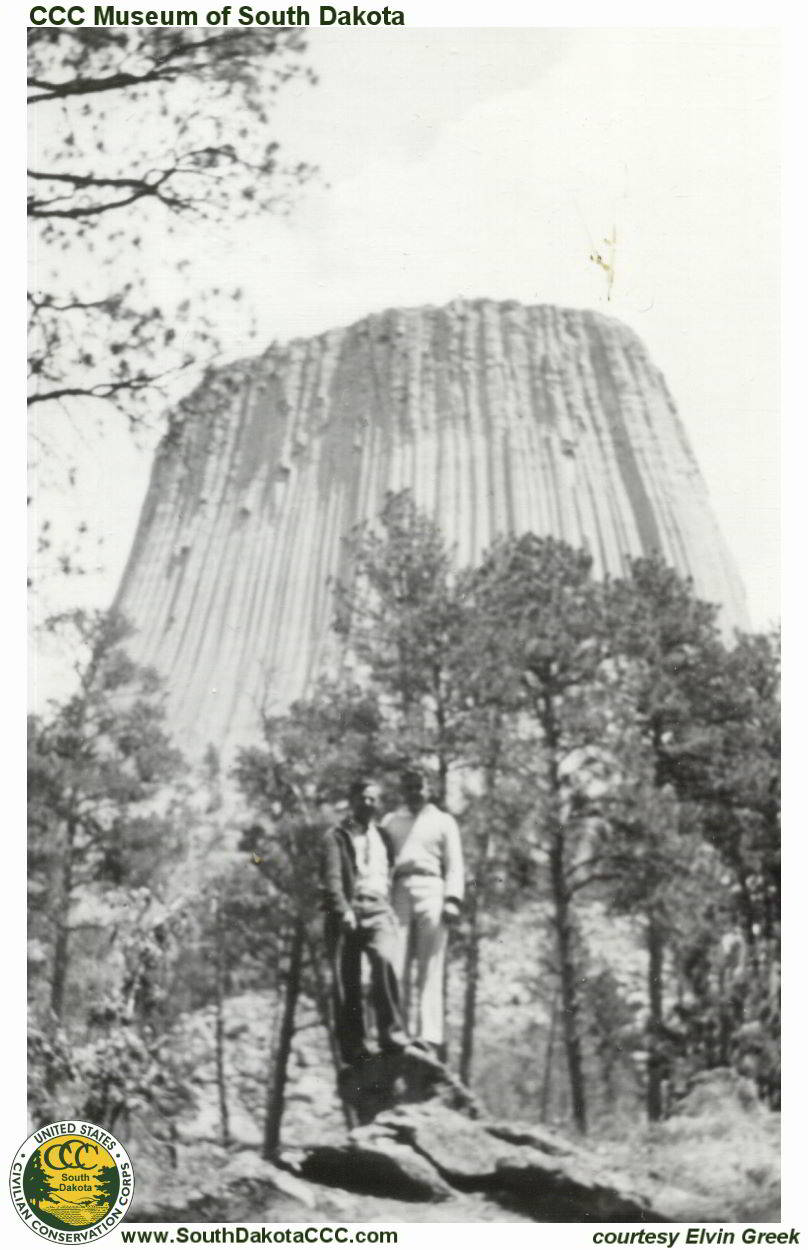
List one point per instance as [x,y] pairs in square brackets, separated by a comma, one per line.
[489,162]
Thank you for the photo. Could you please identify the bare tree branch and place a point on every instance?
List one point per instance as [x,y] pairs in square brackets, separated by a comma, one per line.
[101,390]
[91,86]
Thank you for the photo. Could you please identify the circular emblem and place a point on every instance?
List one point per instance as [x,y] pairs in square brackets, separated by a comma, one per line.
[74,1177]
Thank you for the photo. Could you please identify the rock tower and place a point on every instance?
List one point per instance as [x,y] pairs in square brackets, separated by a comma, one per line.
[500,418]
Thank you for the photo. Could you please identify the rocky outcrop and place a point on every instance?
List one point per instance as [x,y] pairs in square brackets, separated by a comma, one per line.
[375,1162]
[427,1149]
[433,1154]
[499,418]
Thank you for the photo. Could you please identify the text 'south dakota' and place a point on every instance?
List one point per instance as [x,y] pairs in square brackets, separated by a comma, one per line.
[329,16]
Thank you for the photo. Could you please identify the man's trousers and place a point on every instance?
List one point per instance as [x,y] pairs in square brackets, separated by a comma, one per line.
[376,937]
[418,904]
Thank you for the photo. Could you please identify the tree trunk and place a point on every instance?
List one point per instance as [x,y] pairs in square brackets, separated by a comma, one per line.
[570,1006]
[447,955]
[443,776]
[221,1083]
[277,1084]
[440,724]
[322,999]
[746,907]
[563,919]
[61,947]
[477,899]
[656,1062]
[472,985]
[546,1080]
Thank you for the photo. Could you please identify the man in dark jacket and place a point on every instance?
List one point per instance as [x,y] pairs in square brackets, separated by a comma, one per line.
[359,919]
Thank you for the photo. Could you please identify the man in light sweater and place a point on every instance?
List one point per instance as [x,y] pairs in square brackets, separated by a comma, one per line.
[427,893]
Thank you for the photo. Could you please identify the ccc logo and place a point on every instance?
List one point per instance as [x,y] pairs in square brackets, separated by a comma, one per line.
[69,1153]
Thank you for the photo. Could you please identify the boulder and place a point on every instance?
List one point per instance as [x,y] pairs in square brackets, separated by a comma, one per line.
[681,1206]
[536,1135]
[248,1170]
[428,1149]
[571,1187]
[460,1148]
[376,1164]
[568,1184]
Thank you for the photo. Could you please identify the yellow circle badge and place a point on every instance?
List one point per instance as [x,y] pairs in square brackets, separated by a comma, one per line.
[71,1182]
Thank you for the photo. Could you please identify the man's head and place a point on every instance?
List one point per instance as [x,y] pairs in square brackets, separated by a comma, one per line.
[364,796]
[414,787]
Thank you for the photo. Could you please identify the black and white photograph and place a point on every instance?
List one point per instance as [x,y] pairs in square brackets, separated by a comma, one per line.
[404,622]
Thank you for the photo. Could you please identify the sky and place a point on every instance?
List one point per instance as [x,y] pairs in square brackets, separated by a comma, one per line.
[491,162]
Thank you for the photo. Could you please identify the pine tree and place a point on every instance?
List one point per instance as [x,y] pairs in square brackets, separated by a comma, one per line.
[95,762]
[735,784]
[540,646]
[107,1183]
[700,768]
[403,620]
[37,1184]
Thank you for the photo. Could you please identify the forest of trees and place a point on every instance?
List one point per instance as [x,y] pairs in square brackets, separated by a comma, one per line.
[607,752]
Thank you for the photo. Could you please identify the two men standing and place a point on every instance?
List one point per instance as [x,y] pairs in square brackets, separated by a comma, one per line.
[418,845]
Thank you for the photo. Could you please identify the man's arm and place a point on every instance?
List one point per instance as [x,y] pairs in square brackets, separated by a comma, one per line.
[387,839]
[453,874]
[334,899]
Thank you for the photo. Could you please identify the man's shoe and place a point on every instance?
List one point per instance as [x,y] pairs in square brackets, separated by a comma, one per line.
[433,1051]
[360,1055]
[395,1044]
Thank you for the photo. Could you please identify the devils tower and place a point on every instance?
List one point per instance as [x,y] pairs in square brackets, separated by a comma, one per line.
[500,418]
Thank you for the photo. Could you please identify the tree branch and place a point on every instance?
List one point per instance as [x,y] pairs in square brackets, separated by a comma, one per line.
[102,390]
[164,68]
[198,162]
[607,877]
[140,190]
[86,180]
[92,86]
